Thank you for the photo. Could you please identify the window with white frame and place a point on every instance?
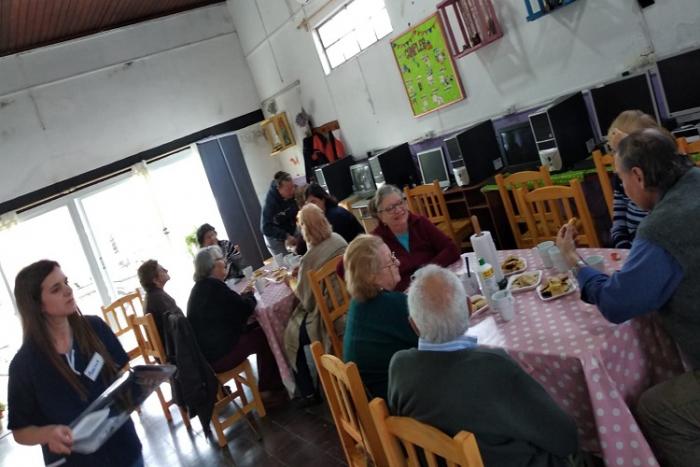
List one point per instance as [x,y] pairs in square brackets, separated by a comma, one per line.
[353,28]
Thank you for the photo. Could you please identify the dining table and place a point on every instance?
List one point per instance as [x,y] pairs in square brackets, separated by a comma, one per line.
[595,370]
[275,303]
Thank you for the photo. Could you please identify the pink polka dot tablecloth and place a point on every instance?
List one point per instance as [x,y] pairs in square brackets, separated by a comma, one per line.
[594,369]
[273,310]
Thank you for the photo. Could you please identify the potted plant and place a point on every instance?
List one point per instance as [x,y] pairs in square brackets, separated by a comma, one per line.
[2,409]
[191,242]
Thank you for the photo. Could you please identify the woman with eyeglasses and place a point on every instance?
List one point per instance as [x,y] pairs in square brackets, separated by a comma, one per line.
[377,323]
[219,318]
[413,238]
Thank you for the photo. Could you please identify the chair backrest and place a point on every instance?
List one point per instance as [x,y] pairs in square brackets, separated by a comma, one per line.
[409,433]
[506,187]
[347,400]
[688,148]
[148,338]
[428,201]
[546,209]
[332,299]
[602,163]
[117,313]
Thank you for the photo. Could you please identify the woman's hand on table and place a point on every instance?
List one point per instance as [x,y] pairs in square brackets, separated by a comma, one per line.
[250,288]
[567,244]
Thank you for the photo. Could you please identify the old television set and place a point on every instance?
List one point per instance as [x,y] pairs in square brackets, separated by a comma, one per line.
[611,99]
[480,151]
[679,76]
[397,166]
[363,184]
[518,145]
[335,177]
[432,167]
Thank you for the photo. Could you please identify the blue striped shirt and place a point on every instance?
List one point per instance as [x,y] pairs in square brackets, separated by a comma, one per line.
[626,217]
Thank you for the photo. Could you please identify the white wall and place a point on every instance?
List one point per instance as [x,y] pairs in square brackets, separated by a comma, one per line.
[76,106]
[585,43]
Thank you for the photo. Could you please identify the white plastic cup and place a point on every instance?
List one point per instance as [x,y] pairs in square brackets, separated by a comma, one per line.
[248,272]
[260,285]
[542,249]
[597,262]
[503,302]
[278,260]
[558,259]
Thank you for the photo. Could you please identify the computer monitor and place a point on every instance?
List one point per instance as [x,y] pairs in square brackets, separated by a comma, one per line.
[336,176]
[397,166]
[679,76]
[611,99]
[518,144]
[432,167]
[362,180]
[481,151]
[376,171]
[318,174]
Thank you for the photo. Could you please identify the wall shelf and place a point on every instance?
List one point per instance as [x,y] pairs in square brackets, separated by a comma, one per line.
[544,7]
[278,133]
[469,25]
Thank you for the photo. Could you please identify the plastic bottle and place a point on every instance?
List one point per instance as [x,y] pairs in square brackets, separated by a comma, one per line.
[487,279]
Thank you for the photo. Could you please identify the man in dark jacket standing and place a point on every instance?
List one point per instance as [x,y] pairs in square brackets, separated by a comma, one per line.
[278,222]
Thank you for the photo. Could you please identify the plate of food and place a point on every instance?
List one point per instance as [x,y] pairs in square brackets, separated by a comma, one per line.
[513,265]
[479,303]
[277,275]
[258,273]
[524,281]
[556,287]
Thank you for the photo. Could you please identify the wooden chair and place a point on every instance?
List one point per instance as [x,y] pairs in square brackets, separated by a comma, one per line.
[242,376]
[332,300]
[409,433]
[428,200]
[347,400]
[602,164]
[151,347]
[685,147]
[116,315]
[546,209]
[506,187]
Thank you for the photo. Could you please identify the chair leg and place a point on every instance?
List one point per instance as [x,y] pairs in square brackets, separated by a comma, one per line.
[253,384]
[164,405]
[185,417]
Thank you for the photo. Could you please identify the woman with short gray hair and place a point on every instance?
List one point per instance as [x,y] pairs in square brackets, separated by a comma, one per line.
[219,316]
[413,239]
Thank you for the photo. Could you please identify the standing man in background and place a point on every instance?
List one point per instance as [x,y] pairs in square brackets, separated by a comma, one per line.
[278,223]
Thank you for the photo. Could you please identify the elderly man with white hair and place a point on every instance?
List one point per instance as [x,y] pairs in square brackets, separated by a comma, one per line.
[452,384]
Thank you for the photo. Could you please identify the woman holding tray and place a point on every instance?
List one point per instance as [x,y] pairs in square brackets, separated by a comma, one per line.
[66,361]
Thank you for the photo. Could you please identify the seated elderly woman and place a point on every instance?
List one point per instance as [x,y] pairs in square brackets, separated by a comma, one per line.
[342,221]
[219,315]
[305,324]
[377,324]
[153,278]
[413,239]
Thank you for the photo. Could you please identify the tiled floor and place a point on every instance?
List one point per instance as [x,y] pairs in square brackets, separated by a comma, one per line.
[290,437]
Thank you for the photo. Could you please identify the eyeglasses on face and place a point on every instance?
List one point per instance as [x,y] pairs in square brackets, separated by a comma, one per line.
[393,207]
[394,261]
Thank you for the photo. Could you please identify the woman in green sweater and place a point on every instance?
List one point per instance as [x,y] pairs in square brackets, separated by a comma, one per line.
[377,323]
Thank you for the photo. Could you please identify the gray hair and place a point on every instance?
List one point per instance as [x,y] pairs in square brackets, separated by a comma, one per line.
[204,261]
[437,304]
[655,153]
[381,193]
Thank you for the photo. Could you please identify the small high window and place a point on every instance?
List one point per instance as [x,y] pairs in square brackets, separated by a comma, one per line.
[353,28]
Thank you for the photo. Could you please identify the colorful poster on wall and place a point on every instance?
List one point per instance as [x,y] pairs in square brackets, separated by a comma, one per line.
[427,70]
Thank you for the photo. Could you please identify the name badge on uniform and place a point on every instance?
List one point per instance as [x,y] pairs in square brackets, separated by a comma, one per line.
[94,366]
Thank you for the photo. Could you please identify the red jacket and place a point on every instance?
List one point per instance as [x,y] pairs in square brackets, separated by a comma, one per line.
[427,243]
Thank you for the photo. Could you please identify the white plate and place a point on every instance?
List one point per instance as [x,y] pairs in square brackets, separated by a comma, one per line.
[474,298]
[517,271]
[524,289]
[572,289]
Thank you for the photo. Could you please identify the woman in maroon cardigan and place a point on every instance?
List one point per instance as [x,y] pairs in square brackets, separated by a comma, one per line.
[413,239]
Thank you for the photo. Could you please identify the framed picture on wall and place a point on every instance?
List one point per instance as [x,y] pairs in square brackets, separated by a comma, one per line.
[427,70]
